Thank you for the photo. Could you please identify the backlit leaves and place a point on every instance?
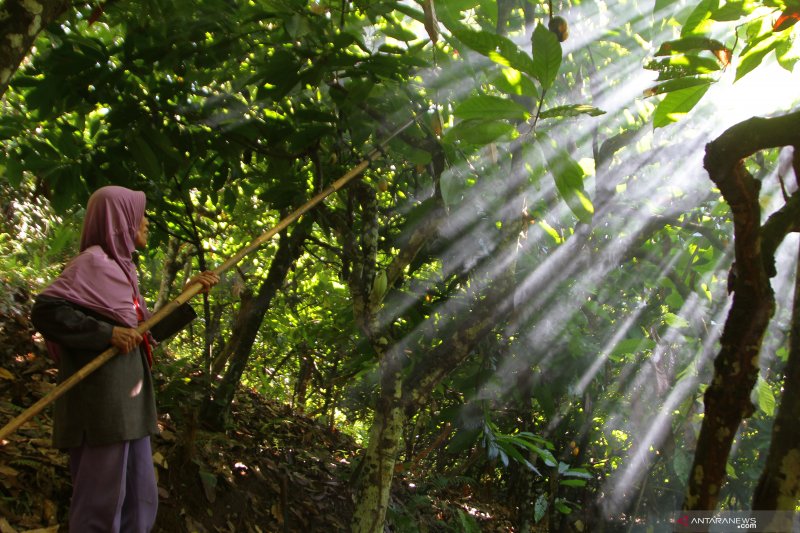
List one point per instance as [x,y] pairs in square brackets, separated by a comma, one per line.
[700,19]
[568,176]
[490,107]
[499,49]
[677,104]
[546,56]
[480,131]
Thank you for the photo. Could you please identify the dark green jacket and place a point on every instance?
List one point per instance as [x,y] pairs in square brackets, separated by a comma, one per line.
[114,403]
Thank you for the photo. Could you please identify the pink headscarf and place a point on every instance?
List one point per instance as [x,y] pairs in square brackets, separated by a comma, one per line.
[103,277]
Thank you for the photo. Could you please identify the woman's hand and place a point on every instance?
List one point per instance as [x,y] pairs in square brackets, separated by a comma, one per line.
[207,279]
[125,339]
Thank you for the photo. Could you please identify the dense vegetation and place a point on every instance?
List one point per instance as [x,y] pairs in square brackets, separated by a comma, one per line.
[535,291]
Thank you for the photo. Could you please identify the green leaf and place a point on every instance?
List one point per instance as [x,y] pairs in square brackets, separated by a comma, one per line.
[675,321]
[397,31]
[452,186]
[562,507]
[467,523]
[677,104]
[787,54]
[571,111]
[632,346]
[677,85]
[480,131]
[683,65]
[499,49]
[683,59]
[573,482]
[540,507]
[490,107]
[568,175]
[578,472]
[766,400]
[732,10]
[753,57]
[13,170]
[546,56]
[547,456]
[700,20]
[512,81]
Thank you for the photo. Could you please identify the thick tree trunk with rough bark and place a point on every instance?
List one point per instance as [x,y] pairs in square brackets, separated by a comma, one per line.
[779,485]
[727,399]
[21,21]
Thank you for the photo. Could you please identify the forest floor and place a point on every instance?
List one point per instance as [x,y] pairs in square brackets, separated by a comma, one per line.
[277,470]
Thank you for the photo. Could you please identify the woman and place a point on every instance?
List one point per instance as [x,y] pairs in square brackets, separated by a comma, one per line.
[107,419]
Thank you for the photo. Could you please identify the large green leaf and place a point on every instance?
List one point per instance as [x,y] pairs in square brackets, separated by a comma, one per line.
[480,131]
[546,56]
[787,54]
[568,176]
[512,81]
[733,10]
[499,49]
[486,106]
[700,19]
[676,85]
[765,397]
[677,104]
[679,66]
[752,57]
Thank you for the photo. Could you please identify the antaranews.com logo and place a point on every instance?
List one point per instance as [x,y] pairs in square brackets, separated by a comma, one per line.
[733,522]
[730,521]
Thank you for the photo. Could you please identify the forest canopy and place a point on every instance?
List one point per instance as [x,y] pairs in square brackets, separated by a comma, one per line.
[564,277]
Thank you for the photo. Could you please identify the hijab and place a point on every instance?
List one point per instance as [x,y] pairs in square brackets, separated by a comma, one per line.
[102,277]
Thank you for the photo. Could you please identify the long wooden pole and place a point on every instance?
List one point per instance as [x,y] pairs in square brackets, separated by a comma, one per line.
[195,288]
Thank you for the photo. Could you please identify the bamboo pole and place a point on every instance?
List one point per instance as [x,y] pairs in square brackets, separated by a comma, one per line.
[194,289]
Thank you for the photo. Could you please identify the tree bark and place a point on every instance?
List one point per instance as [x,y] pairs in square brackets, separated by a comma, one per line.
[369,287]
[727,399]
[377,471]
[779,485]
[216,409]
[21,21]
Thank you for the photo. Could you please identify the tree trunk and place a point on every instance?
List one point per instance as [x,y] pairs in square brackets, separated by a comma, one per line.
[727,399]
[21,21]
[216,409]
[779,485]
[369,288]
[385,434]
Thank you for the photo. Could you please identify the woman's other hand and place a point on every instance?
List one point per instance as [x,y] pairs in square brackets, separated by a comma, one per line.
[125,339]
[207,279]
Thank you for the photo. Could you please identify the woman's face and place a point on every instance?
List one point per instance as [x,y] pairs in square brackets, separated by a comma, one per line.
[140,240]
